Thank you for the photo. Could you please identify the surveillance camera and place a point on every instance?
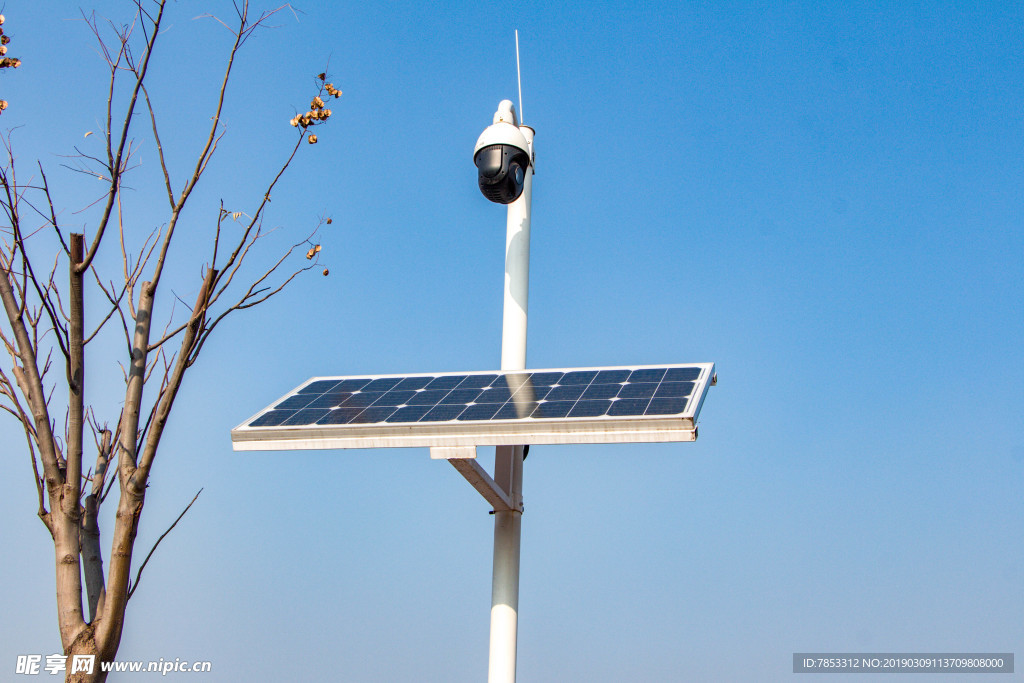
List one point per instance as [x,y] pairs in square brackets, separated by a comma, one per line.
[502,157]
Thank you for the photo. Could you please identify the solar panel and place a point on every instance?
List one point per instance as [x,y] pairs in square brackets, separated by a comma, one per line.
[566,405]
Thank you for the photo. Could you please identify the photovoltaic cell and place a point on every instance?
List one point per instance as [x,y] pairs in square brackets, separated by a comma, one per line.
[409,414]
[297,401]
[638,390]
[569,392]
[600,391]
[413,383]
[446,382]
[647,375]
[382,384]
[682,374]
[578,377]
[607,393]
[428,397]
[611,377]
[321,386]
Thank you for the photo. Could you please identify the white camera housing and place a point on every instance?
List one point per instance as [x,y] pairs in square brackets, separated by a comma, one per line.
[503,157]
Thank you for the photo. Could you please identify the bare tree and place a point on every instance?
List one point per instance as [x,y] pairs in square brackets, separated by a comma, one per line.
[46,323]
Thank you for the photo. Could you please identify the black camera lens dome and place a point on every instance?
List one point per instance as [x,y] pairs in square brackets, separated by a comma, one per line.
[502,171]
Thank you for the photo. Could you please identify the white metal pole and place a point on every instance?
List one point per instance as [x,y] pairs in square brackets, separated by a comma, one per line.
[508,460]
[517,272]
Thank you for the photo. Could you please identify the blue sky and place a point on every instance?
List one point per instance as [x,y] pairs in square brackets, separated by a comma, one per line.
[824,201]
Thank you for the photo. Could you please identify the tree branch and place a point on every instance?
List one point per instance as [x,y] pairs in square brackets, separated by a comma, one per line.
[166,401]
[138,576]
[15,409]
[159,148]
[115,160]
[92,554]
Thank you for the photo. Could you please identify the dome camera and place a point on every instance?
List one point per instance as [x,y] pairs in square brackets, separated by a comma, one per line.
[502,157]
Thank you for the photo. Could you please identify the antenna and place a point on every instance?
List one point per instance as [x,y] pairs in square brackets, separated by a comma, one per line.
[519,78]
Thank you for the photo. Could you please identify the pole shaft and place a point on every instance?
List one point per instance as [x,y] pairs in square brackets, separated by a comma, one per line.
[517,274]
[508,460]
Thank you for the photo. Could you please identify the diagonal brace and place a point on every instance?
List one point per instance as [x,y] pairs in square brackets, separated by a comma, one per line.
[464,460]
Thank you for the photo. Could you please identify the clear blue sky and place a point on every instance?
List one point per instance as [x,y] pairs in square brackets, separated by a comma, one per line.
[826,202]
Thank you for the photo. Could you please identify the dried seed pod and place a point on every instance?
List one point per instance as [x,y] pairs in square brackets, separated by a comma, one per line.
[318,248]
[295,122]
[309,254]
[3,50]
[317,103]
[312,139]
[325,272]
[322,76]
[329,221]
[3,103]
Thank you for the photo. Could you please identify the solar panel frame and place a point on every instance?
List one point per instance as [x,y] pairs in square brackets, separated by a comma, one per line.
[564,418]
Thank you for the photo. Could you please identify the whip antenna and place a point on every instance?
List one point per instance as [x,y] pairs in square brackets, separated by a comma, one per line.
[519,79]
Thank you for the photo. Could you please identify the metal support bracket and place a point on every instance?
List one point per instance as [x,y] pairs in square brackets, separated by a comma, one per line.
[463,459]
[453,452]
